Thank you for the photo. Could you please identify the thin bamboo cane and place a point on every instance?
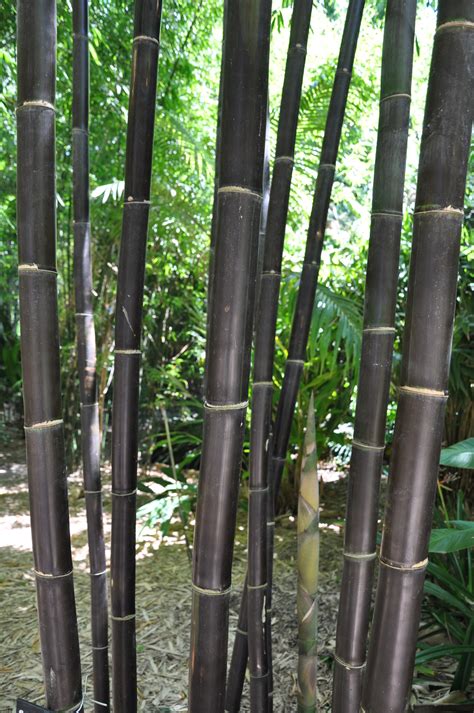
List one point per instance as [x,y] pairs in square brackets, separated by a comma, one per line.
[309,275]
[265,335]
[308,569]
[425,365]
[258,492]
[131,275]
[44,430]
[86,354]
[240,173]
[376,360]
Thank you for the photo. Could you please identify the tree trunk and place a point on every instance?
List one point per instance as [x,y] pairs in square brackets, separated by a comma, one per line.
[131,275]
[376,360]
[426,354]
[86,354]
[44,428]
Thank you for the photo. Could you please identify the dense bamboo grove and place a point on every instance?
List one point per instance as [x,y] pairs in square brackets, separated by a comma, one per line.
[131,275]
[248,301]
[86,353]
[240,180]
[376,360]
[44,429]
[426,355]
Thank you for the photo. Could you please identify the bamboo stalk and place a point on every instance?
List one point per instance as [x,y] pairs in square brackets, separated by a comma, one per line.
[308,569]
[131,275]
[266,316]
[376,360]
[239,197]
[309,275]
[86,354]
[425,365]
[44,429]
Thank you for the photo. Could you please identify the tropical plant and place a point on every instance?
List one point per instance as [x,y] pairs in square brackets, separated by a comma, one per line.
[86,353]
[368,444]
[240,182]
[424,374]
[128,316]
[44,428]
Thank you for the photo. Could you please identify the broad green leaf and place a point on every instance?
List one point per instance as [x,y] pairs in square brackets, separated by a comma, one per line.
[459,455]
[446,540]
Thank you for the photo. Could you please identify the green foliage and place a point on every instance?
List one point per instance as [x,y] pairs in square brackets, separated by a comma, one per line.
[459,455]
[449,593]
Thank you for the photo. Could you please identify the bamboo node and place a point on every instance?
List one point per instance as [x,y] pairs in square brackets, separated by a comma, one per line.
[127,617]
[420,390]
[380,330]
[92,492]
[386,214]
[44,575]
[368,557]
[99,648]
[420,210]
[40,103]
[286,159]
[258,490]
[402,567]
[241,631]
[257,586]
[366,446]
[453,24]
[97,574]
[226,407]
[44,424]
[262,383]
[348,666]
[124,495]
[295,361]
[395,96]
[80,36]
[300,48]
[327,165]
[146,38]
[33,267]
[264,675]
[240,189]
[127,351]
[211,592]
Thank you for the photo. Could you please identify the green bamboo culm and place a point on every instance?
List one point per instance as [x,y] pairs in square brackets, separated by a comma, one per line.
[309,275]
[308,569]
[376,360]
[239,199]
[128,320]
[431,305]
[265,322]
[86,354]
[44,429]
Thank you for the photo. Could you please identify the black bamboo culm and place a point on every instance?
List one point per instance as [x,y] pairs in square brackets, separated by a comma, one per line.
[141,119]
[309,275]
[431,304]
[239,198]
[44,430]
[264,344]
[376,360]
[86,354]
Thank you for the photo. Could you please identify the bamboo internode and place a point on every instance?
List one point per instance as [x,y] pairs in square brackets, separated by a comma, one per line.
[44,430]
[131,276]
[376,360]
[425,365]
